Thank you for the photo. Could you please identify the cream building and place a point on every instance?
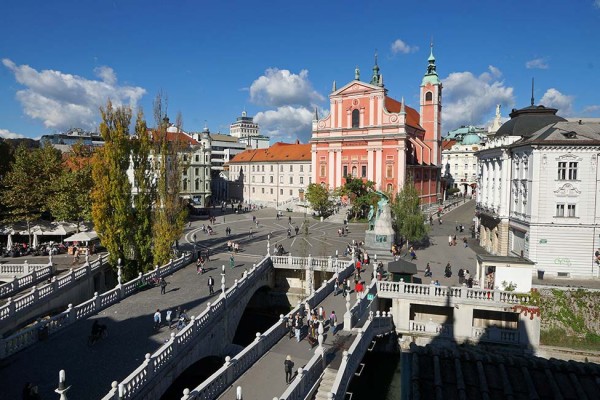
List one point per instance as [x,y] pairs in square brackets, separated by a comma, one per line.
[272,176]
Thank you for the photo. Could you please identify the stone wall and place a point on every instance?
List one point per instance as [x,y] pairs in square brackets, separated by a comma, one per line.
[577,312]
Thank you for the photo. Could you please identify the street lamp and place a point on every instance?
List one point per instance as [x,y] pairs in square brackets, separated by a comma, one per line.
[223,279]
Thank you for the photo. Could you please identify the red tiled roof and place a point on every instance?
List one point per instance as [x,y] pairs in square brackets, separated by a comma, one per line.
[412,116]
[277,152]
[176,137]
[447,144]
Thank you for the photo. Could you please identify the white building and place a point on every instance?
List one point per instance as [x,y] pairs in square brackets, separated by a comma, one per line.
[537,189]
[272,176]
[459,162]
[247,131]
[223,149]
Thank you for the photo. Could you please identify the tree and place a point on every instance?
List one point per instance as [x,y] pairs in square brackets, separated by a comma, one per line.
[361,195]
[111,195]
[409,220]
[144,194]
[170,211]
[28,183]
[71,194]
[318,197]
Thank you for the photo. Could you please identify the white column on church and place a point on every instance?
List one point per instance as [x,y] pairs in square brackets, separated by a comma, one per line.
[371,110]
[313,161]
[338,168]
[339,114]
[378,168]
[401,168]
[334,114]
[370,165]
[331,165]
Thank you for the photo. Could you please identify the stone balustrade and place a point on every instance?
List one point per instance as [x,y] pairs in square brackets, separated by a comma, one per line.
[448,293]
[353,315]
[25,275]
[38,331]
[494,334]
[307,377]
[329,264]
[380,324]
[41,294]
[235,367]
[430,328]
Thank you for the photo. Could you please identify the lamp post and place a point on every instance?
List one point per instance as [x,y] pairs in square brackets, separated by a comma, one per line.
[223,279]
[194,237]
[269,244]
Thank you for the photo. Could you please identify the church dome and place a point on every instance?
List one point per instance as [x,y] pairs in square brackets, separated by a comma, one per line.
[471,138]
[526,121]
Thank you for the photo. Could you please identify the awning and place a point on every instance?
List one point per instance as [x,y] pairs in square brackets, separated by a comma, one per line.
[402,267]
[82,237]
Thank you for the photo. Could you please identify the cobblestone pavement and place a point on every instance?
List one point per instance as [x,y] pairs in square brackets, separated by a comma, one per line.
[90,370]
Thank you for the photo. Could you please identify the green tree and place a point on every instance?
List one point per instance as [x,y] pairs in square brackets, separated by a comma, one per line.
[318,197]
[144,194]
[360,194]
[409,220]
[111,195]
[170,210]
[71,191]
[28,184]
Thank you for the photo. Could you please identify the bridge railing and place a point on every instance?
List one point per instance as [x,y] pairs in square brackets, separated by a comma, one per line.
[354,314]
[380,324]
[41,329]
[327,264]
[234,368]
[416,290]
[41,294]
[306,379]
[37,273]
[179,345]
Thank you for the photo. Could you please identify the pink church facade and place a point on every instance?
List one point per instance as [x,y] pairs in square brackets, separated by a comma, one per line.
[371,136]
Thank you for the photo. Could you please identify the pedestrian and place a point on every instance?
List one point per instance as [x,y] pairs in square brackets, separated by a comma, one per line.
[163,285]
[430,220]
[289,232]
[290,219]
[297,229]
[231,261]
[440,221]
[157,319]
[337,286]
[290,325]
[168,317]
[428,271]
[333,322]
[467,276]
[461,276]
[466,243]
[298,327]
[449,240]
[288,366]
[211,285]
[454,240]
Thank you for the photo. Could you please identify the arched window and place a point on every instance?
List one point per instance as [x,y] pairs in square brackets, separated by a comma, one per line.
[355,118]
[185,185]
[354,171]
[428,96]
[390,188]
[197,184]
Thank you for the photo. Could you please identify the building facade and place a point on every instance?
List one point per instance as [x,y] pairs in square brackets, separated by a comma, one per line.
[374,137]
[459,162]
[538,186]
[248,132]
[272,176]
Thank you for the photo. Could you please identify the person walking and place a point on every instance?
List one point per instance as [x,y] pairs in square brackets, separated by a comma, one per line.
[168,318]
[297,229]
[163,285]
[333,322]
[231,261]
[449,240]
[211,285]
[288,366]
[297,327]
[157,319]
[290,219]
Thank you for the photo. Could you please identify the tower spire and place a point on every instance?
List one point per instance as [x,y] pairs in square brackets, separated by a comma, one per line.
[532,100]
[333,87]
[357,73]
[402,109]
[375,78]
[316,114]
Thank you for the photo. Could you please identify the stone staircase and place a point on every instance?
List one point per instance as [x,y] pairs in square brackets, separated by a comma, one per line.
[326,383]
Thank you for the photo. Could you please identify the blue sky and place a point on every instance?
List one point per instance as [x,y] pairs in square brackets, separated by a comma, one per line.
[277,60]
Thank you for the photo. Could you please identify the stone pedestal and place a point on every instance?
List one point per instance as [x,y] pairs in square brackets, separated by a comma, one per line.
[382,236]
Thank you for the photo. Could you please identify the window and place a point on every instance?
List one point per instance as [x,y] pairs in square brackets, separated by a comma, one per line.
[345,171]
[206,171]
[184,157]
[281,179]
[281,192]
[562,170]
[196,171]
[197,184]
[291,192]
[466,166]
[263,190]
[263,179]
[262,168]
[185,185]
[253,168]
[271,190]
[322,174]
[302,180]
[281,168]
[571,210]
[389,171]
[428,96]
[301,168]
[456,167]
[185,172]
[355,118]
[363,171]
[390,187]
[291,168]
[291,180]
[309,180]
[206,159]
[253,179]
[573,171]
[197,158]
[354,171]
[560,210]
[310,168]
[271,168]
[271,179]
[253,190]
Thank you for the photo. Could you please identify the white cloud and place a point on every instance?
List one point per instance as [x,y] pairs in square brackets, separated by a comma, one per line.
[62,101]
[6,134]
[593,108]
[538,63]
[597,3]
[286,123]
[399,46]
[281,87]
[471,100]
[555,99]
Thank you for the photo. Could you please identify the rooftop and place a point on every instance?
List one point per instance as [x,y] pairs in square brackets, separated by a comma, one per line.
[277,152]
[525,121]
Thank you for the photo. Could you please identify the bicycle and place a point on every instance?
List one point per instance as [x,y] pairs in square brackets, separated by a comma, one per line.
[93,339]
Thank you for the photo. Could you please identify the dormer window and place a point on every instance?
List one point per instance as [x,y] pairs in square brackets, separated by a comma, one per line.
[355,118]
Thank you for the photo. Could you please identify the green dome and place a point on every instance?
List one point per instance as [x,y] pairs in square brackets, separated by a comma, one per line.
[471,138]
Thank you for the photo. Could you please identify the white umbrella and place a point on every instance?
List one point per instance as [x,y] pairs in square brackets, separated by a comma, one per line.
[9,242]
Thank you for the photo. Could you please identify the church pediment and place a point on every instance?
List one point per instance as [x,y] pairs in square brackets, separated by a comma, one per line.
[356,87]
